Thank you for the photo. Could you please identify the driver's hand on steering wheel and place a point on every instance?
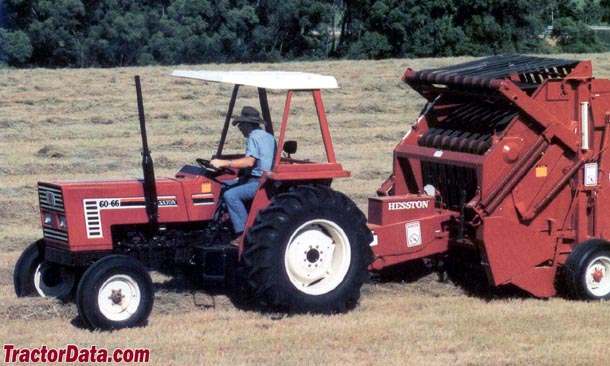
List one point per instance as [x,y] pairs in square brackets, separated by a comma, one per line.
[219,163]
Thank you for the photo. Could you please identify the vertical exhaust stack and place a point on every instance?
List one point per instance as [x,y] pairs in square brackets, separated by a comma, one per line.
[150,188]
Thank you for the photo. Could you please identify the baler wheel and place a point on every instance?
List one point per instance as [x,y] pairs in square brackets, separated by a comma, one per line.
[308,252]
[588,271]
[33,276]
[115,292]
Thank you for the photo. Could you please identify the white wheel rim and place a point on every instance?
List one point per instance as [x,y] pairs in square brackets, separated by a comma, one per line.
[52,280]
[598,276]
[317,257]
[119,297]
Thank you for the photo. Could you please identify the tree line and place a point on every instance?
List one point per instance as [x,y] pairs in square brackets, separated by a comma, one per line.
[108,33]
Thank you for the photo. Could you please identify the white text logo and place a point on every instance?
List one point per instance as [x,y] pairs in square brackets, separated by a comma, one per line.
[407,205]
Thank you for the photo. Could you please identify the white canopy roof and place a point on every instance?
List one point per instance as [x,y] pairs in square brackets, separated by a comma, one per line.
[263,79]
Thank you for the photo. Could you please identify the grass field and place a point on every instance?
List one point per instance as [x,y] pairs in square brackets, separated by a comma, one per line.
[82,124]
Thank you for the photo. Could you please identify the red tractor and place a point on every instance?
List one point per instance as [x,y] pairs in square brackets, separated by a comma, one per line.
[505,168]
[306,247]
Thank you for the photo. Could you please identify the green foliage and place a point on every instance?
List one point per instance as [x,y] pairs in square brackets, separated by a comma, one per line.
[371,45]
[504,26]
[15,47]
[56,32]
[110,33]
[393,28]
[604,11]
[117,33]
[292,30]
[433,30]
[185,34]
[576,37]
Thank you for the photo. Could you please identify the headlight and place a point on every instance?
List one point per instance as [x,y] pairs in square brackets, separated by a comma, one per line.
[47,219]
[62,222]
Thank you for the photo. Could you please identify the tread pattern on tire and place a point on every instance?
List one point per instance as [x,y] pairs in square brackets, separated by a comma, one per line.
[266,242]
[576,264]
[23,276]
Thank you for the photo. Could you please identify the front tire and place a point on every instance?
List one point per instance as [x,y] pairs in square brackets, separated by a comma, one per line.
[587,271]
[115,292]
[33,276]
[54,280]
[308,252]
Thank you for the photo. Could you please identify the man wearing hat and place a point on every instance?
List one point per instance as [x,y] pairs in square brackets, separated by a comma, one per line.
[260,149]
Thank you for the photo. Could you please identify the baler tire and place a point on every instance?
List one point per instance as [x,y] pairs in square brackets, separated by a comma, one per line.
[587,260]
[285,248]
[25,269]
[100,297]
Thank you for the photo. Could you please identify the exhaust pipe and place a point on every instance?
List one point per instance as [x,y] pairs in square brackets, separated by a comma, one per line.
[150,188]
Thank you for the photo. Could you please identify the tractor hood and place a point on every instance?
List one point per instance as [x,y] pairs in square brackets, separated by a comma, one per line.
[79,215]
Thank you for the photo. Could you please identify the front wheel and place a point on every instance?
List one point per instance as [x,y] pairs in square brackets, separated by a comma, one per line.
[308,252]
[588,271]
[54,280]
[35,276]
[115,292]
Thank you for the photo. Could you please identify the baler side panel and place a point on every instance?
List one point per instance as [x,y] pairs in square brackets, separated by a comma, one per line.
[515,249]
[536,187]
[406,227]
[600,115]
[528,210]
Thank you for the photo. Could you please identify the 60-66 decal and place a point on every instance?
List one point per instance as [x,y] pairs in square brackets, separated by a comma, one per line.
[109,203]
[94,206]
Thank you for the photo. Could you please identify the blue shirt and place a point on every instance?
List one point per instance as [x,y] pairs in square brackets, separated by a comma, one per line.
[261,146]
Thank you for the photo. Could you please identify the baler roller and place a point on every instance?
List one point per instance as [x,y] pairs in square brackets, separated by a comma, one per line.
[468,128]
[525,71]
[454,140]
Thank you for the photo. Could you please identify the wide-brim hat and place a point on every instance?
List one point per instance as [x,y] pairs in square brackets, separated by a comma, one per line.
[249,115]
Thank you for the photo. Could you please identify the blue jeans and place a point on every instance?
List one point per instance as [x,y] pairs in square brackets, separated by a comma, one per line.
[234,198]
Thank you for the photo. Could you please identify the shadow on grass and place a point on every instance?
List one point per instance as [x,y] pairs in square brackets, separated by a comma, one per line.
[190,287]
[77,322]
[463,271]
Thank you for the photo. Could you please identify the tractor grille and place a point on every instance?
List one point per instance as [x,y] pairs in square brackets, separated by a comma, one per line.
[49,233]
[468,127]
[50,198]
[451,181]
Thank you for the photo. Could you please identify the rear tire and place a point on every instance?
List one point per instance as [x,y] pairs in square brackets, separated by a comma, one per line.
[587,271]
[308,252]
[115,292]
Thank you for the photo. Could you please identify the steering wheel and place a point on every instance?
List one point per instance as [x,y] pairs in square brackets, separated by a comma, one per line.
[208,167]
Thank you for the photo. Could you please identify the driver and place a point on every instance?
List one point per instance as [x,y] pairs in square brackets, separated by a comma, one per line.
[260,149]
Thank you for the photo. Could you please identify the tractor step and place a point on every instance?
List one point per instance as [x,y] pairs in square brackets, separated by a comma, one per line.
[219,262]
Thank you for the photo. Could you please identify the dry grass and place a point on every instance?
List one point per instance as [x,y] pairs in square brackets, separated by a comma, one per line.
[82,124]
